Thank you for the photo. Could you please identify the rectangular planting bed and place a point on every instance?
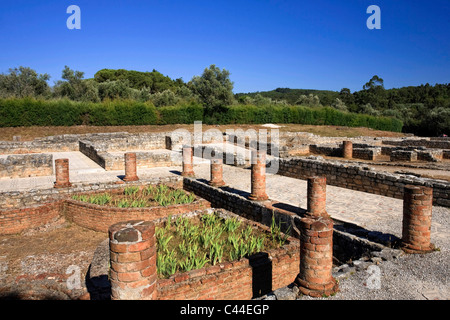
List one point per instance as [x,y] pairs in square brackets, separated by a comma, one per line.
[98,210]
[215,254]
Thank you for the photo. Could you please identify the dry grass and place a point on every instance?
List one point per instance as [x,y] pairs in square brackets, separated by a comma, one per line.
[30,133]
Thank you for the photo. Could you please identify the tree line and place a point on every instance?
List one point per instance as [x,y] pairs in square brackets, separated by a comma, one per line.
[422,110]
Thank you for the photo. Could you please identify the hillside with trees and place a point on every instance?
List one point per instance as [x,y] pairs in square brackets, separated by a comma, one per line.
[119,97]
[424,109]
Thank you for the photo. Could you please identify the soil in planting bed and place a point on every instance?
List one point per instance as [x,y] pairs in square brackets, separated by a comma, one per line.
[189,243]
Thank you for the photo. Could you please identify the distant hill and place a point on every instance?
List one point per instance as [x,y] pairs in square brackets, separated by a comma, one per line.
[424,109]
[291,96]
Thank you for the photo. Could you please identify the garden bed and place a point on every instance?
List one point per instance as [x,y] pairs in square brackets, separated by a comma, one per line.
[139,197]
[98,210]
[247,267]
[185,244]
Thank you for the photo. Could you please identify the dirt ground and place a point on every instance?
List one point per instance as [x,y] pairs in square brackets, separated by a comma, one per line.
[36,264]
[30,133]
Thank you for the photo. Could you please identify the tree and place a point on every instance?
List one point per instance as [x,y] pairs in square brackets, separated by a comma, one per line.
[153,81]
[24,82]
[309,100]
[74,87]
[373,83]
[213,87]
[165,98]
[339,105]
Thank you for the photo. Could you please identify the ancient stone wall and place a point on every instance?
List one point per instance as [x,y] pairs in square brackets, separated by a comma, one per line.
[428,143]
[26,165]
[362,178]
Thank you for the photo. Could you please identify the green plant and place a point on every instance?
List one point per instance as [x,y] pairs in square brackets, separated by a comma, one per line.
[100,199]
[275,231]
[131,190]
[232,224]
[216,252]
[210,239]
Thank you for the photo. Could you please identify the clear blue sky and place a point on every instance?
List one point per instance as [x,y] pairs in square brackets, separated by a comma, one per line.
[320,44]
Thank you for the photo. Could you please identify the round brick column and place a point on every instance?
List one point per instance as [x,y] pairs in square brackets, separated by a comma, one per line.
[347,149]
[188,162]
[132,247]
[217,173]
[62,173]
[317,196]
[130,167]
[417,210]
[258,176]
[316,257]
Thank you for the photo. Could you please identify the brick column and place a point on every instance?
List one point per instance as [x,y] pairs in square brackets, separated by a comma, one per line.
[217,173]
[417,209]
[62,173]
[316,257]
[347,149]
[132,247]
[317,196]
[188,162]
[130,167]
[258,176]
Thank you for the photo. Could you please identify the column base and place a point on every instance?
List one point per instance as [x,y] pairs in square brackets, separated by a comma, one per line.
[317,290]
[312,215]
[62,185]
[258,197]
[188,174]
[412,249]
[217,184]
[129,179]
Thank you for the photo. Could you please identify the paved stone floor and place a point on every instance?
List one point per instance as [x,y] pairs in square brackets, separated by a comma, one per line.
[373,212]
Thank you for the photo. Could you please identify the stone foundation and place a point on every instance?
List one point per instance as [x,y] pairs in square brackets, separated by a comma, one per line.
[26,165]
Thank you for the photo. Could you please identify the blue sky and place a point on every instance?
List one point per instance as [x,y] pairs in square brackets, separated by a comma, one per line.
[321,44]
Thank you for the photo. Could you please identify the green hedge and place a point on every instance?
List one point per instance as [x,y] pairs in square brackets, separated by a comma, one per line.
[245,114]
[182,114]
[32,112]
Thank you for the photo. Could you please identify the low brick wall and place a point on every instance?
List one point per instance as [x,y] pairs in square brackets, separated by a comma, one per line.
[26,165]
[239,280]
[361,179]
[33,208]
[99,218]
[14,221]
[19,199]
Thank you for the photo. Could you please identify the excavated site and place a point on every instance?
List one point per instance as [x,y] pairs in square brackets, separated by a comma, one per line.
[363,218]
